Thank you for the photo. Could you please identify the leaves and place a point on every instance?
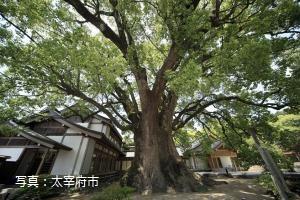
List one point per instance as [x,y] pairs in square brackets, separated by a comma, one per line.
[52,55]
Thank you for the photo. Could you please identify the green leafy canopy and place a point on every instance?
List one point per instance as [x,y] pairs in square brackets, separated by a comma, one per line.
[212,58]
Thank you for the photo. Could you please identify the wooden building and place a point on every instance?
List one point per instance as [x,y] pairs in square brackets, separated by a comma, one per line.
[219,159]
[59,145]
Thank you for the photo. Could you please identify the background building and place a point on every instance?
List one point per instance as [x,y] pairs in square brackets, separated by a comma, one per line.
[61,145]
[219,158]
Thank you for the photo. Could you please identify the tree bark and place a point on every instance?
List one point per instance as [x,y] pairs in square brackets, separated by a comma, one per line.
[276,174]
[157,167]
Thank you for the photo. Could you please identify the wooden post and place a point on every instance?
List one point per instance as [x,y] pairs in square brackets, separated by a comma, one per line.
[212,162]
[194,165]
[215,164]
[233,162]
[276,174]
[42,162]
[217,161]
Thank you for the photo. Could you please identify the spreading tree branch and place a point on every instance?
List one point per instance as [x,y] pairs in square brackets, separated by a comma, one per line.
[70,90]
[100,24]
[199,108]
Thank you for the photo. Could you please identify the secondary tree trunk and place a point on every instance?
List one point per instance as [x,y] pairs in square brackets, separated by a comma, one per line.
[157,166]
[276,174]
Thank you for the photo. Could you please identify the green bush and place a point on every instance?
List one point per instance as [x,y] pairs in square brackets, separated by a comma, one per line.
[114,192]
[265,180]
[33,193]
[7,131]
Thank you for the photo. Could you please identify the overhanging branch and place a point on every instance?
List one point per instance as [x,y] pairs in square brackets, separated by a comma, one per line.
[99,23]
[69,89]
[17,27]
[191,112]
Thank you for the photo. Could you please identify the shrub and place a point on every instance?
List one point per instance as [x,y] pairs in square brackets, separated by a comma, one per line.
[114,192]
[7,131]
[33,193]
[265,180]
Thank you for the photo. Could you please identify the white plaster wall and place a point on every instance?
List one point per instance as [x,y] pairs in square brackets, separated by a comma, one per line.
[65,160]
[95,120]
[100,127]
[106,131]
[200,164]
[76,131]
[86,124]
[56,138]
[14,153]
[191,163]
[86,164]
[81,156]
[226,161]
[96,127]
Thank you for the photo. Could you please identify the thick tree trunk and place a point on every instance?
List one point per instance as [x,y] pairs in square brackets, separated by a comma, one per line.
[157,166]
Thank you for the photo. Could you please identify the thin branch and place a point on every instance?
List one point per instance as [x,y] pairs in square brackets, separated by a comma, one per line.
[179,124]
[119,115]
[17,27]
[148,37]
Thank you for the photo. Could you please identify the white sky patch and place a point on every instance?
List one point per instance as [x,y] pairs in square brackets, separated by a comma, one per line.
[93,30]
[3,69]
[260,88]
[274,66]
[288,72]
[211,108]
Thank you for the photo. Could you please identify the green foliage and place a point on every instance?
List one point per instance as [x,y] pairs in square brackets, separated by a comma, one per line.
[287,133]
[36,193]
[248,155]
[40,192]
[265,180]
[7,131]
[185,81]
[248,50]
[114,192]
[187,138]
[127,139]
[277,134]
[184,138]
[232,58]
[287,122]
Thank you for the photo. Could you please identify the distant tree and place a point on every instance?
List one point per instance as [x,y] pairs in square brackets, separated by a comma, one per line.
[287,134]
[279,133]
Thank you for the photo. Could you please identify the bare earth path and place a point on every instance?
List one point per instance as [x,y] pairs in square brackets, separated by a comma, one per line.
[236,189]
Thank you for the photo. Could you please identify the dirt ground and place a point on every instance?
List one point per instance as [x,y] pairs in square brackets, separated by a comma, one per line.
[236,189]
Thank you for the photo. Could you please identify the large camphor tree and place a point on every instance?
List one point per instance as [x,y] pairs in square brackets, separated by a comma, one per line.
[152,66]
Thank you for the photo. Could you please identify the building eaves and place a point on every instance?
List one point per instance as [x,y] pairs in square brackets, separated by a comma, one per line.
[38,138]
[86,131]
